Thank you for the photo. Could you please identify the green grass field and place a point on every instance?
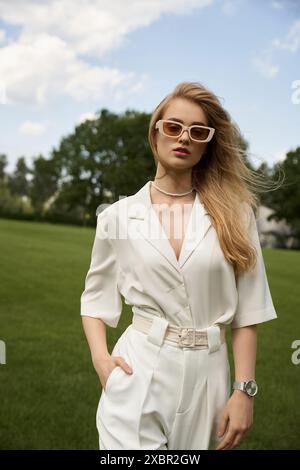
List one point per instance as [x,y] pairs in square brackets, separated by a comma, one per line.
[49,390]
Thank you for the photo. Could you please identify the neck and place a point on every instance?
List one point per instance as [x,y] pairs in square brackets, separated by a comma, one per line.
[173,185]
[158,195]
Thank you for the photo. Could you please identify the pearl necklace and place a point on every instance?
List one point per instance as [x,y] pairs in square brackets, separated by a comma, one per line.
[171,194]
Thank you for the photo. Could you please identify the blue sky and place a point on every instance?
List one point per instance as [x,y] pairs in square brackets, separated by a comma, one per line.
[57,68]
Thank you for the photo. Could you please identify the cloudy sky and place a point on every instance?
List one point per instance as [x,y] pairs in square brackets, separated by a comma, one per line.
[63,60]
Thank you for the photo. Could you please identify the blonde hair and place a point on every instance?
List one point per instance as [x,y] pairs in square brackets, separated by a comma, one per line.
[225,184]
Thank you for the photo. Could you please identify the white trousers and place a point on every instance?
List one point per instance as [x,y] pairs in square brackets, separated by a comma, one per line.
[174,398]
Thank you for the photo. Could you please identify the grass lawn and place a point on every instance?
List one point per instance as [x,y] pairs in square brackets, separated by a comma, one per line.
[49,390]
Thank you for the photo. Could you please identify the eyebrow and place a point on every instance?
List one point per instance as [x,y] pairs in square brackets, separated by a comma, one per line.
[179,120]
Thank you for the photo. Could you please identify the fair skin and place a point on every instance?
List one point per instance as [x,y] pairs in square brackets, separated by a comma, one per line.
[103,362]
[237,416]
[173,172]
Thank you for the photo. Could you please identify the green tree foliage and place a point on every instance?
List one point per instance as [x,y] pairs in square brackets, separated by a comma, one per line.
[3,164]
[100,160]
[286,201]
[44,183]
[11,202]
[109,157]
[18,182]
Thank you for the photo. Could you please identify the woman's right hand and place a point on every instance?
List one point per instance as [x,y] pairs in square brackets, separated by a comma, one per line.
[105,366]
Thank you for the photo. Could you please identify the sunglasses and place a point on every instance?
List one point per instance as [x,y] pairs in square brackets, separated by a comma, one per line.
[175,129]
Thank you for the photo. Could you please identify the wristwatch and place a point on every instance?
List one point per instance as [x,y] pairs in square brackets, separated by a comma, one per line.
[250,387]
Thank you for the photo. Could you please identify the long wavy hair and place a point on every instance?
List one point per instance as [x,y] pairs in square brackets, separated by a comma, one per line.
[225,183]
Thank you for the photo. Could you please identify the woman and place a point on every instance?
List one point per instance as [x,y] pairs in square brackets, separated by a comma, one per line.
[166,384]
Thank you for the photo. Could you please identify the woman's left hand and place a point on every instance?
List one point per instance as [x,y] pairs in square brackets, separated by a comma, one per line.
[236,420]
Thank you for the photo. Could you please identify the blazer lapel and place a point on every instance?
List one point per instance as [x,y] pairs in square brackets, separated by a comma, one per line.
[198,225]
[142,215]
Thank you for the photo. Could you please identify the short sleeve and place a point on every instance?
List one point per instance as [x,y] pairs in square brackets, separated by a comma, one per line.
[101,297]
[255,303]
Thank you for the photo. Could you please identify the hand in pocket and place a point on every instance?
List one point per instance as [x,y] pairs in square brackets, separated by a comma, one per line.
[106,366]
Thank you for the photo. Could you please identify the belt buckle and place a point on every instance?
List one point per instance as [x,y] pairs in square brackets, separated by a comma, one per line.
[183,337]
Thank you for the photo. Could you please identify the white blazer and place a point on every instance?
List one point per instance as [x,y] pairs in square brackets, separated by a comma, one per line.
[132,257]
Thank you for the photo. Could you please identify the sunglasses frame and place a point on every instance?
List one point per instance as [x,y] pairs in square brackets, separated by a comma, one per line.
[159,126]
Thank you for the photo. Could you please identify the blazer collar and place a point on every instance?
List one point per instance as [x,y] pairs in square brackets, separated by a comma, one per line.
[143,215]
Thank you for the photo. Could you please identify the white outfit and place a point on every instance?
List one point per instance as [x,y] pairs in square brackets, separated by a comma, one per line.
[175,396]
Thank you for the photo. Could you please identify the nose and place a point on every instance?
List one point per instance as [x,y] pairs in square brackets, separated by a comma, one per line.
[185,135]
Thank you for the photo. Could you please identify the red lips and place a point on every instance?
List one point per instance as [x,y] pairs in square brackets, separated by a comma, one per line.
[182,149]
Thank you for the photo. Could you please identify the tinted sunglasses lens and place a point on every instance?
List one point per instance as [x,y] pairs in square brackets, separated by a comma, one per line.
[199,133]
[171,129]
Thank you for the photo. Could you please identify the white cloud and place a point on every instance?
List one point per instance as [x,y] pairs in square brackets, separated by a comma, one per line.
[265,67]
[231,7]
[58,38]
[45,67]
[87,116]
[280,156]
[292,40]
[2,36]
[90,26]
[32,128]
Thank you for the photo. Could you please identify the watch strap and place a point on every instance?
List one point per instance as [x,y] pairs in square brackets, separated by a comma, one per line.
[241,385]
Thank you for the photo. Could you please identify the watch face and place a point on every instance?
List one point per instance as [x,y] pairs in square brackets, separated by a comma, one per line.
[251,388]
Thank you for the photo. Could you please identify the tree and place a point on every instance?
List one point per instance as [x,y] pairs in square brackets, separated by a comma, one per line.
[18,181]
[102,159]
[43,185]
[3,164]
[286,201]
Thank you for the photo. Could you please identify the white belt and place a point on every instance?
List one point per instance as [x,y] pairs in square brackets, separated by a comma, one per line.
[158,330]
